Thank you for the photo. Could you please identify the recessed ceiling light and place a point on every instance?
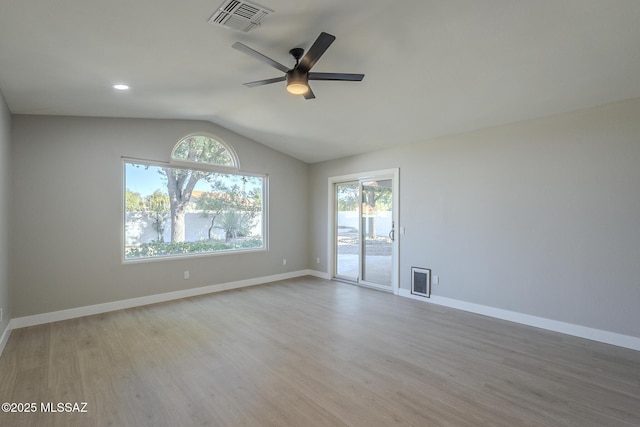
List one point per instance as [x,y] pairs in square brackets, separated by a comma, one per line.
[121,87]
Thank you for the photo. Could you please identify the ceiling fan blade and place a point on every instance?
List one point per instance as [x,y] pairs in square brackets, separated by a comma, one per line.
[309,94]
[265,82]
[314,53]
[336,76]
[260,57]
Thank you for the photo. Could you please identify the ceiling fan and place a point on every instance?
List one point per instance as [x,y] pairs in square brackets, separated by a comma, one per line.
[298,77]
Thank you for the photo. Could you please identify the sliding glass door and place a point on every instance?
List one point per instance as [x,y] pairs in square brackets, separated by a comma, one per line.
[377,232]
[347,241]
[364,232]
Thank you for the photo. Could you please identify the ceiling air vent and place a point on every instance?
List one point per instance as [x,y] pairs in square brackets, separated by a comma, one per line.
[240,15]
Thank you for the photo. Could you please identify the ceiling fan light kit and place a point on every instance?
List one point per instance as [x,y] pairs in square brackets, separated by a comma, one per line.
[297,82]
[298,77]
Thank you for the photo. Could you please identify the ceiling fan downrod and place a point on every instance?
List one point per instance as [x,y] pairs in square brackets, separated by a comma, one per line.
[297,53]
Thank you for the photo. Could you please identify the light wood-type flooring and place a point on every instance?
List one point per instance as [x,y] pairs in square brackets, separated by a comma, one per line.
[311,352]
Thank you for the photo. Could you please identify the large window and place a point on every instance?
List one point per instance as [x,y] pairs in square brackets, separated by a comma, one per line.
[197,204]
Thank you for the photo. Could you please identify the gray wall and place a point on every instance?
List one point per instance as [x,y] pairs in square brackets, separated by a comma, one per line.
[540,217]
[5,207]
[63,260]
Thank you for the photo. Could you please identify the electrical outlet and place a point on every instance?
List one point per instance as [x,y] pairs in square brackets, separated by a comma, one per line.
[318,260]
[284,261]
[186,275]
[435,280]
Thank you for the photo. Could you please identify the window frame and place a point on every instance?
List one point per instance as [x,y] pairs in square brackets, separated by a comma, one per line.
[196,166]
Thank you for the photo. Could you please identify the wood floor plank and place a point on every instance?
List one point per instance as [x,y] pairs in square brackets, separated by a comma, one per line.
[311,352]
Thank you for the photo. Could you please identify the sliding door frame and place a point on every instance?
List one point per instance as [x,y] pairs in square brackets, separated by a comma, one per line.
[331,215]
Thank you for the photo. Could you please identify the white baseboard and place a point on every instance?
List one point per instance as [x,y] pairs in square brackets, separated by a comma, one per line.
[606,337]
[72,313]
[319,274]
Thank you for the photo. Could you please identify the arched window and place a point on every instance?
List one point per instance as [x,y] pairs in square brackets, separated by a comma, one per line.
[196,204]
[204,149]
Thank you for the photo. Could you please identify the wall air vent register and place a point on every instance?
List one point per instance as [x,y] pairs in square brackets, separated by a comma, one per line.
[421,281]
[240,15]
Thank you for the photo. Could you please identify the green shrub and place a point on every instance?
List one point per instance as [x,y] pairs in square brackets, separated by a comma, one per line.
[153,249]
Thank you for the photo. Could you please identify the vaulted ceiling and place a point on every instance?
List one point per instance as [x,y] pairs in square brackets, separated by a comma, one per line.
[433,67]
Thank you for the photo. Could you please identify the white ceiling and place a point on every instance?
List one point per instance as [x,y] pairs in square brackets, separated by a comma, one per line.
[433,67]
